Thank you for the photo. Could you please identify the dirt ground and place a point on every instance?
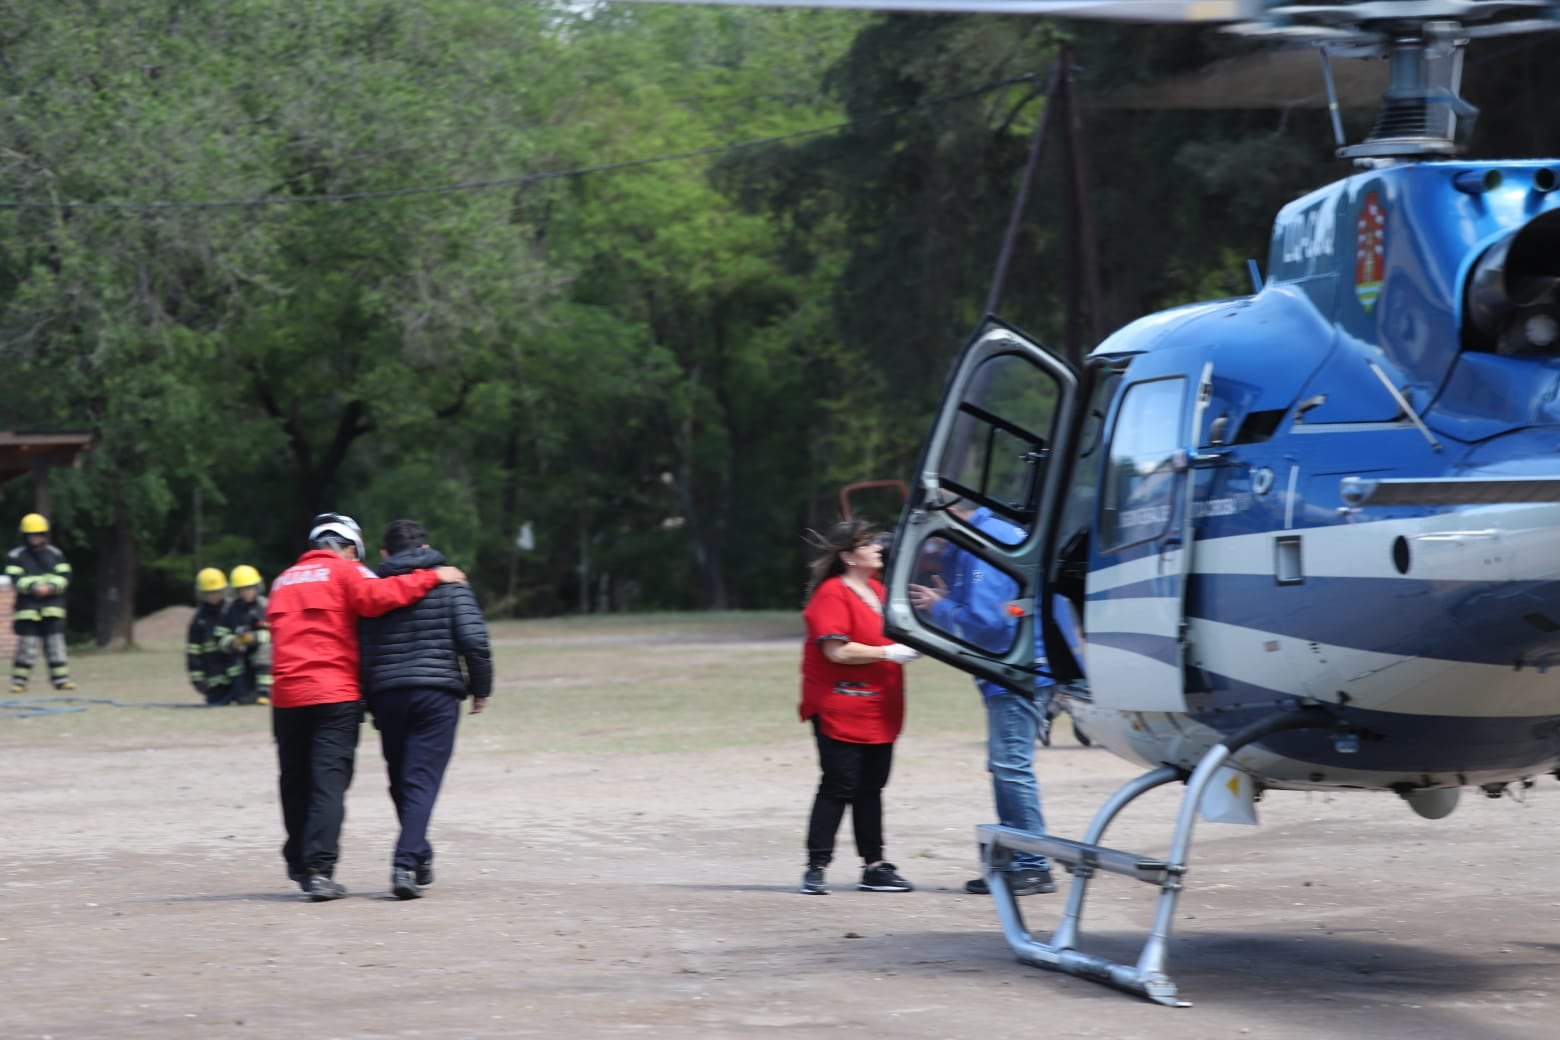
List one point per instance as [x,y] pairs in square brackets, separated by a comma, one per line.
[619,843]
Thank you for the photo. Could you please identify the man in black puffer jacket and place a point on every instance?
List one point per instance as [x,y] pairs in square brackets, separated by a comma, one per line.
[413,683]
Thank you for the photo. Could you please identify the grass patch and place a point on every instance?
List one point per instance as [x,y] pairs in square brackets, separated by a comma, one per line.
[611,684]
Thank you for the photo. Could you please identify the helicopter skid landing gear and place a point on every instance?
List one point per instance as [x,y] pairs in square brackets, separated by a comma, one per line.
[1084,859]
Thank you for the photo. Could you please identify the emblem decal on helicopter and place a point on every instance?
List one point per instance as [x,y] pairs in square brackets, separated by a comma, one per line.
[1370,245]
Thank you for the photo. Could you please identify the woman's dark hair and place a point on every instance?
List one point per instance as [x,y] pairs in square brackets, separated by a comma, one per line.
[843,537]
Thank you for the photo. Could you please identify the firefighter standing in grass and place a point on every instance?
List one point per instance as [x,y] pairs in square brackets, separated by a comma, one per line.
[247,638]
[40,574]
[210,667]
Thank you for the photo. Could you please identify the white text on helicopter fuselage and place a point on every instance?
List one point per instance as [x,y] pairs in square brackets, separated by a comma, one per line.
[1310,235]
[1146,515]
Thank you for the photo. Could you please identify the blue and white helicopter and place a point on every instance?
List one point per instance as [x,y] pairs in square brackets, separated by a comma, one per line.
[1313,534]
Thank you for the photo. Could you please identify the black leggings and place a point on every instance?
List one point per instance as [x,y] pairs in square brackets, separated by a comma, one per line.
[853,775]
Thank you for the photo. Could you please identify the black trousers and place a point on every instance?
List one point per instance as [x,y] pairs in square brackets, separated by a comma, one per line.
[417,734]
[853,775]
[314,748]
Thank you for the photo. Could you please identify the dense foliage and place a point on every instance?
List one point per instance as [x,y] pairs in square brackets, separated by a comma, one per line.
[625,389]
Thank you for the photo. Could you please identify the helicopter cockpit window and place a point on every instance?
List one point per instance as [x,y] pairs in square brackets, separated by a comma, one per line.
[1138,492]
[996,455]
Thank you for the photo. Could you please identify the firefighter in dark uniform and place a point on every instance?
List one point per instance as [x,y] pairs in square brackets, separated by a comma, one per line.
[247,638]
[40,574]
[209,666]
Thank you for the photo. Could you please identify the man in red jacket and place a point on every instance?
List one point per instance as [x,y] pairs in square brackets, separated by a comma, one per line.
[316,707]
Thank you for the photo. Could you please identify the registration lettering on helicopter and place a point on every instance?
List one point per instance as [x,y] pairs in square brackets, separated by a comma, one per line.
[1307,236]
[1159,515]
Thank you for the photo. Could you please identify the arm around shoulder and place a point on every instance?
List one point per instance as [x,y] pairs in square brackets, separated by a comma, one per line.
[369,596]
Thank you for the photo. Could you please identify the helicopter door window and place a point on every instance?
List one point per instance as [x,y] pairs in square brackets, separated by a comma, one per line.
[1138,492]
[997,453]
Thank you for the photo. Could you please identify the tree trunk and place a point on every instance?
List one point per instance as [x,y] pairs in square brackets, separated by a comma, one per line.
[114,621]
[129,555]
[107,593]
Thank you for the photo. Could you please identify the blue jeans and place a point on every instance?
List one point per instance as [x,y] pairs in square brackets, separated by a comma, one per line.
[1012,726]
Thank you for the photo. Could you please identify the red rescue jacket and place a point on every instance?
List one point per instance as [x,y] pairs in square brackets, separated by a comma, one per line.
[313,614]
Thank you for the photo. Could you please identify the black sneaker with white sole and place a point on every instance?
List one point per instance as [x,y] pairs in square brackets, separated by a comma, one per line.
[883,878]
[813,883]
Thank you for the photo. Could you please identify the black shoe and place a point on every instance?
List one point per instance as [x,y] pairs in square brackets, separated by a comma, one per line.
[813,883]
[425,874]
[1031,882]
[882,878]
[404,885]
[1020,882]
[322,889]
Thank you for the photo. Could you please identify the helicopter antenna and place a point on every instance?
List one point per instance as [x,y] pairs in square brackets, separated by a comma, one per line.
[1332,98]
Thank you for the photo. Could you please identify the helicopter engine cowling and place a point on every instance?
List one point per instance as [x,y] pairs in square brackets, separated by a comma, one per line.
[1513,293]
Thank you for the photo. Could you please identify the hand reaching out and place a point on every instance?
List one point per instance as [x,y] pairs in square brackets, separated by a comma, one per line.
[924,597]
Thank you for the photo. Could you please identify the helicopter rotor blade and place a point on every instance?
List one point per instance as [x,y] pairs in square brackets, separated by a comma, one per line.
[1187,11]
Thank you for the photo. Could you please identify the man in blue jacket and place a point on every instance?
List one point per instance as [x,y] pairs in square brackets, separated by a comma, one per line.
[971,601]
[413,683]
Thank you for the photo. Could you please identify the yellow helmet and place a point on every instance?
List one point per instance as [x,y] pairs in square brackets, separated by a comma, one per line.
[35,523]
[210,579]
[245,576]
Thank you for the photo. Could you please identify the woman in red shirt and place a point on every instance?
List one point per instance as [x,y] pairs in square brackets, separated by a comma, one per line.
[853,691]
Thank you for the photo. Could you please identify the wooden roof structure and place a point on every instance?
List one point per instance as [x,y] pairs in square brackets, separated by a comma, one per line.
[37,453]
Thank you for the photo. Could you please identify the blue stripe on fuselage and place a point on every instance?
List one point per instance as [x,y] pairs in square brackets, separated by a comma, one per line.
[1392,742]
[1479,622]
[1157,648]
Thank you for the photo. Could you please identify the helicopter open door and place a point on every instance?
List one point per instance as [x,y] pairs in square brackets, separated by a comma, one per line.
[979,521]
[1144,537]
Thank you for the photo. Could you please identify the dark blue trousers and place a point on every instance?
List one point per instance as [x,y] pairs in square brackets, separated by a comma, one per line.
[417,733]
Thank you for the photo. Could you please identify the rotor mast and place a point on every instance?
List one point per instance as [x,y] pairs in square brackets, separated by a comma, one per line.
[1422,113]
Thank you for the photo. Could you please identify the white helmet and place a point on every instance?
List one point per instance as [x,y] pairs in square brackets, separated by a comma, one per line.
[337,529]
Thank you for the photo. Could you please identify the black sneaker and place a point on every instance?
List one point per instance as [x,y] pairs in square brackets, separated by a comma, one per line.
[1031,882]
[404,885]
[425,874]
[813,883]
[1021,882]
[322,889]
[882,878]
